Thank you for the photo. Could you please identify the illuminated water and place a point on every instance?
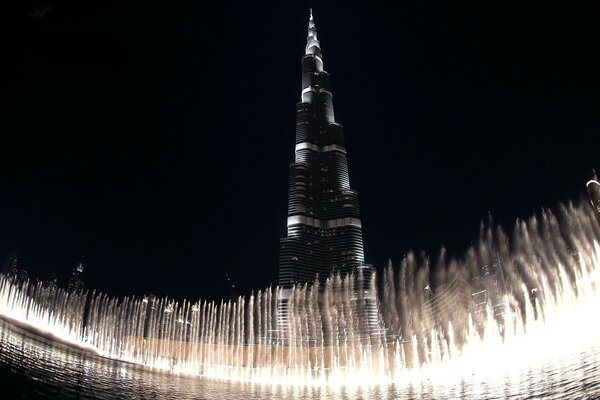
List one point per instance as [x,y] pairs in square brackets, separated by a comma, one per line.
[544,342]
[33,368]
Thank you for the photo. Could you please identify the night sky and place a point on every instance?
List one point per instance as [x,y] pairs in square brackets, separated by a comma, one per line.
[155,138]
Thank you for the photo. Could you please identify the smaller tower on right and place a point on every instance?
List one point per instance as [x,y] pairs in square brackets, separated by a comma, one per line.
[593,189]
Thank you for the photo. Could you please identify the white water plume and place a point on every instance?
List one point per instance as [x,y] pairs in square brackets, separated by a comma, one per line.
[511,303]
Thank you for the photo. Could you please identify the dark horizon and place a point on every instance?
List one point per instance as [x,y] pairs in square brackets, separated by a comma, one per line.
[155,140]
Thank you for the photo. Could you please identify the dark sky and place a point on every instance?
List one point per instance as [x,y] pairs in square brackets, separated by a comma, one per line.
[155,137]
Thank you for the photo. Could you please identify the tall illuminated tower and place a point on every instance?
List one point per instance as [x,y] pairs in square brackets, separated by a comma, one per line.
[593,189]
[324,234]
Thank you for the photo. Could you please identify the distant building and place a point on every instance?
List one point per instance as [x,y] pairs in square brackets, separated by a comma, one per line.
[450,303]
[150,302]
[51,284]
[76,283]
[489,289]
[11,265]
[234,293]
[23,275]
[458,299]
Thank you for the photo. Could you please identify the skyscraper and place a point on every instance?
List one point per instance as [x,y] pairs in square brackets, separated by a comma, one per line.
[324,232]
[76,280]
[593,189]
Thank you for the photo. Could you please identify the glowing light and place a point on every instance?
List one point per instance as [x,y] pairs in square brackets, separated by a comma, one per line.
[592,182]
[323,224]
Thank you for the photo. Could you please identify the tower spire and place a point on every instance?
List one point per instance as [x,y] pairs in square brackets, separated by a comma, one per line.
[312,43]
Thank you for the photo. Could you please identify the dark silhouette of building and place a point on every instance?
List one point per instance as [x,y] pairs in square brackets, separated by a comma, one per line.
[11,265]
[76,280]
[23,275]
[233,291]
[450,303]
[13,269]
[489,291]
[51,284]
[324,233]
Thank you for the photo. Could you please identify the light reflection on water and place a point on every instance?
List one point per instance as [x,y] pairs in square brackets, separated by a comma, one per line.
[33,367]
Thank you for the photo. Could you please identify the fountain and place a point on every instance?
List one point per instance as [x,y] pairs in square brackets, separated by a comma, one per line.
[511,302]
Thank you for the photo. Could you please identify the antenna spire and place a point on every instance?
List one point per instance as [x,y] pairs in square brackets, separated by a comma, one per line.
[312,30]
[312,43]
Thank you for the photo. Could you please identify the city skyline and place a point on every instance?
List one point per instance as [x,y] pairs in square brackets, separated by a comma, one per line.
[143,151]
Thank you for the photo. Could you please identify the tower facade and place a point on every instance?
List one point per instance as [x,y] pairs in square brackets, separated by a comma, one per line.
[324,234]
